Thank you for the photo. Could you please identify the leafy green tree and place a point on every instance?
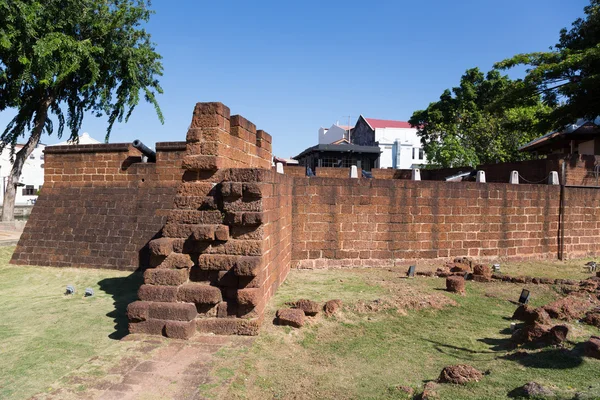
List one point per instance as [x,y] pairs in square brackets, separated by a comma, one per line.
[66,58]
[472,124]
[568,75]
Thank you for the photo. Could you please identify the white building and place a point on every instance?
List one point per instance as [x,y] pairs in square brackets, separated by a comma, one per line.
[333,134]
[399,143]
[32,176]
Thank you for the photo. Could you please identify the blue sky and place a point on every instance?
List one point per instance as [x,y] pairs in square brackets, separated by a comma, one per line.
[291,67]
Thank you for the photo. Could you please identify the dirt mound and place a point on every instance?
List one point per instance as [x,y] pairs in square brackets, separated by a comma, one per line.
[459,374]
[532,390]
[405,299]
[570,307]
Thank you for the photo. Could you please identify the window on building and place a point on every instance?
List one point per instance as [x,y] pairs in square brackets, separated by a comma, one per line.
[42,165]
[32,157]
[28,190]
[42,157]
[414,153]
[344,162]
[421,154]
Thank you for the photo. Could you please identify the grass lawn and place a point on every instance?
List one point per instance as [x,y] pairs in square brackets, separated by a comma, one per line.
[369,353]
[391,332]
[45,334]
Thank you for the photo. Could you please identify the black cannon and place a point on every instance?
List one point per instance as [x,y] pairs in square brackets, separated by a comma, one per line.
[145,150]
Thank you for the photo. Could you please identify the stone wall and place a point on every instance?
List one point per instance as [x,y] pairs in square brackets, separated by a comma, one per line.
[216,228]
[380,222]
[100,205]
[226,245]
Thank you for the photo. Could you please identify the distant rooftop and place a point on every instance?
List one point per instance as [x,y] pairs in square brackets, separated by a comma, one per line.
[387,123]
[85,138]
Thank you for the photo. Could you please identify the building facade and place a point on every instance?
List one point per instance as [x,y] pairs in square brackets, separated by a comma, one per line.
[32,176]
[399,143]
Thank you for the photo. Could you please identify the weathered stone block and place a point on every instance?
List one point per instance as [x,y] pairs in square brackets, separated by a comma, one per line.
[148,327]
[161,246]
[166,277]
[231,190]
[228,326]
[204,232]
[222,232]
[138,311]
[180,329]
[250,297]
[253,218]
[199,293]
[177,261]
[455,284]
[172,311]
[252,191]
[290,316]
[167,294]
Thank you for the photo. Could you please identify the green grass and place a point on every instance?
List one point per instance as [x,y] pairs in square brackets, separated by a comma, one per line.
[360,355]
[45,334]
[49,340]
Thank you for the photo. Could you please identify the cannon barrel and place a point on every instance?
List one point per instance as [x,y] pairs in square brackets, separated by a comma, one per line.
[151,154]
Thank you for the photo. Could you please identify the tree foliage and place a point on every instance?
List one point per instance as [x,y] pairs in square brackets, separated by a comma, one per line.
[69,57]
[568,75]
[472,124]
[85,55]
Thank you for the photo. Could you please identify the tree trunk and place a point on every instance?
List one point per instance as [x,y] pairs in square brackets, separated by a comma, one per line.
[10,192]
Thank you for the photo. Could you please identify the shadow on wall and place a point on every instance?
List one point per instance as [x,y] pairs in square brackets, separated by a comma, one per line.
[123,291]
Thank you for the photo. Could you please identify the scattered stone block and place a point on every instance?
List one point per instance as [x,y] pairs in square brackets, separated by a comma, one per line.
[290,316]
[455,284]
[429,392]
[460,374]
[482,270]
[521,312]
[591,348]
[592,318]
[331,307]
[557,334]
[309,307]
[482,278]
[530,333]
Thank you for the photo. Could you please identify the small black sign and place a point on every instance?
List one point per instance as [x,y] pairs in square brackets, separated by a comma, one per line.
[411,271]
[524,299]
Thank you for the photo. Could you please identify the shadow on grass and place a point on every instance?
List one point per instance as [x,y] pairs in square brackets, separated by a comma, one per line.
[551,358]
[123,291]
